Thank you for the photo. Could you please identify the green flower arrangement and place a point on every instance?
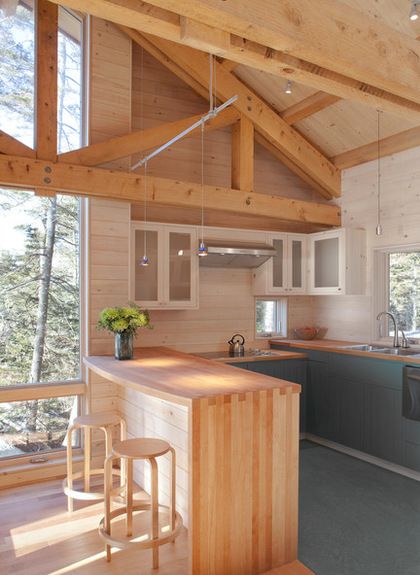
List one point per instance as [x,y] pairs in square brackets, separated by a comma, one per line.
[124,319]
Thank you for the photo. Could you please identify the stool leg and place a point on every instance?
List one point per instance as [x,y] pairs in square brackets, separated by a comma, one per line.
[123,463]
[87,432]
[107,500]
[173,491]
[155,510]
[129,497]
[70,467]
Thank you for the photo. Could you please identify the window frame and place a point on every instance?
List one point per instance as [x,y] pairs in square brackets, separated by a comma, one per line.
[281,318]
[381,287]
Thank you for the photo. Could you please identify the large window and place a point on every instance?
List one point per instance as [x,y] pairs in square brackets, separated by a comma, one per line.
[39,250]
[404,291]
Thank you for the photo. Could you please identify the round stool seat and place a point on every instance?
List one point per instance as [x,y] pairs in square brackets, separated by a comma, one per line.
[104,419]
[141,448]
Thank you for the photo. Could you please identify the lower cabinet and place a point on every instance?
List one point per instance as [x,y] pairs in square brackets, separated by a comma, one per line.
[357,402]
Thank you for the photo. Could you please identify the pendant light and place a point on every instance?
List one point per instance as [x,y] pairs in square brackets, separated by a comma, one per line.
[288,89]
[414,15]
[145,260]
[378,181]
[202,248]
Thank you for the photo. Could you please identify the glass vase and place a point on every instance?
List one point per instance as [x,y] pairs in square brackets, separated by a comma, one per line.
[124,345]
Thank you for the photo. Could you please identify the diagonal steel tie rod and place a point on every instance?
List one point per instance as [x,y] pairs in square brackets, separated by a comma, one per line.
[210,114]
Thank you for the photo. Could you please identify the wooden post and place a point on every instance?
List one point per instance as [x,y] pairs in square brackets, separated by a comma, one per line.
[243,155]
[46,80]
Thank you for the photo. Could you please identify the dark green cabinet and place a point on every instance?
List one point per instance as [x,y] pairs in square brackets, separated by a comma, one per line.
[357,402]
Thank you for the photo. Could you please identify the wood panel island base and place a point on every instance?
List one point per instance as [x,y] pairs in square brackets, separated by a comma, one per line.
[236,435]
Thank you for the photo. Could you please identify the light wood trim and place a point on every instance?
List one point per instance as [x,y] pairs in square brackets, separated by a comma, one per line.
[293,568]
[204,37]
[332,46]
[13,147]
[96,182]
[309,106]
[123,146]
[388,146]
[46,79]
[275,61]
[41,391]
[265,120]
[243,155]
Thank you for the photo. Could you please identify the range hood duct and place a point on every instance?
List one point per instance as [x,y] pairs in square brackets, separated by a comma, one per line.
[227,254]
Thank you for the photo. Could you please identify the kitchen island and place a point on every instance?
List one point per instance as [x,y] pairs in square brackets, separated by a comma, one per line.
[236,436]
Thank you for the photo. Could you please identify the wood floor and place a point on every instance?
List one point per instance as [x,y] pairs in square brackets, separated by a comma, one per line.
[39,537]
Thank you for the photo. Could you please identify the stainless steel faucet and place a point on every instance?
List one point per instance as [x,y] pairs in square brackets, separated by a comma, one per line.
[396,342]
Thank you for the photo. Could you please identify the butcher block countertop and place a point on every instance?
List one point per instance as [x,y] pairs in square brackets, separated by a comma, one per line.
[181,377]
[336,346]
[272,354]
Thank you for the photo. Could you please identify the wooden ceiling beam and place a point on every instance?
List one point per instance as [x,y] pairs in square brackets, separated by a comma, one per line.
[263,55]
[135,142]
[388,146]
[341,37]
[309,106]
[13,147]
[243,155]
[113,185]
[265,120]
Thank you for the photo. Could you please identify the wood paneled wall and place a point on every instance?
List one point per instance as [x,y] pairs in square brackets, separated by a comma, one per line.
[351,317]
[107,254]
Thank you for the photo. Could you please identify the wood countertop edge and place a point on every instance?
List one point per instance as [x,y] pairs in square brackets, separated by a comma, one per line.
[250,358]
[189,398]
[335,347]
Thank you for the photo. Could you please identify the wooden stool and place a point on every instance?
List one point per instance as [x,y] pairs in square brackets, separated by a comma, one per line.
[105,421]
[130,450]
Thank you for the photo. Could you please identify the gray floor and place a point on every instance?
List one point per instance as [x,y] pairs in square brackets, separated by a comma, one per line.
[356,518]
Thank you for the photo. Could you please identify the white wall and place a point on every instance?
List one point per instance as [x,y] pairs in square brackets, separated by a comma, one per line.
[351,317]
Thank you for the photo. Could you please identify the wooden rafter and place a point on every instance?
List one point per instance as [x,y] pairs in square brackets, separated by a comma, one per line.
[274,129]
[96,182]
[135,142]
[243,155]
[333,62]
[309,106]
[388,146]
[13,147]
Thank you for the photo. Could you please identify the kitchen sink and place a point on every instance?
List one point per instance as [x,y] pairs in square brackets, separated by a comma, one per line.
[365,347]
[386,350]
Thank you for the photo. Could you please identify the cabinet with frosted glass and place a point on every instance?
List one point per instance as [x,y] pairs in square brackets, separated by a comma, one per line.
[170,280]
[337,262]
[285,273]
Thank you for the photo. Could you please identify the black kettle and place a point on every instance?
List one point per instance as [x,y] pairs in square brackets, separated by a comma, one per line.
[237,345]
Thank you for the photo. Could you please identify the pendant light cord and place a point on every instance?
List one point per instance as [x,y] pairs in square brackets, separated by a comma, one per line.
[145,208]
[378,195]
[202,182]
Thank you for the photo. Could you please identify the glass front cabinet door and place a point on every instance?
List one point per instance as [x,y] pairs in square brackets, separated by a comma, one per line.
[285,272]
[170,280]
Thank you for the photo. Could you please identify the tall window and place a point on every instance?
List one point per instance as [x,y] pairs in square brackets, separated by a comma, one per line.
[404,291]
[39,251]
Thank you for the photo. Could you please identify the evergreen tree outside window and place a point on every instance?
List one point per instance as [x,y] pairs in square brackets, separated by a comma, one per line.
[404,291]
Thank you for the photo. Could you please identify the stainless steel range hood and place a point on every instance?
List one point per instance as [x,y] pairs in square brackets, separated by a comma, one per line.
[227,254]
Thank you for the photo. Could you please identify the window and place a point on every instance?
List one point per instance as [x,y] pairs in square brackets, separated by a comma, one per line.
[271,317]
[40,368]
[404,291]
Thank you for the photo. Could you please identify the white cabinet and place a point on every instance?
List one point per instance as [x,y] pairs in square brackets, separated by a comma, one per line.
[171,278]
[285,273]
[337,262]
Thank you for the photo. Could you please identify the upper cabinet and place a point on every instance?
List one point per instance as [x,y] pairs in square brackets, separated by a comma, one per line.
[337,262]
[171,279]
[285,273]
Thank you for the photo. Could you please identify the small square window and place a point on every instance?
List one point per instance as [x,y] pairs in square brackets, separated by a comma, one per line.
[270,317]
